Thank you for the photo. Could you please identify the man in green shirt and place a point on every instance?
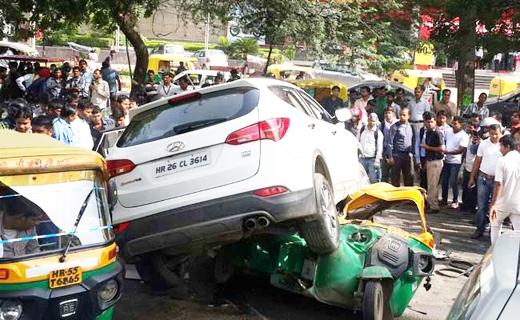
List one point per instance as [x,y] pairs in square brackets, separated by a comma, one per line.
[380,102]
[152,78]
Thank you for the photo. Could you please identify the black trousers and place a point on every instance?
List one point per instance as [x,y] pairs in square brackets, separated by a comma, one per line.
[402,165]
[422,174]
[469,196]
[386,171]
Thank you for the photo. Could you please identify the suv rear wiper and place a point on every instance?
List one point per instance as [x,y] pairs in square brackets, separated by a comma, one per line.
[195,125]
[75,227]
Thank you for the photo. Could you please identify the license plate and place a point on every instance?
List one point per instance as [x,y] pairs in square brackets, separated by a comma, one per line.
[65,277]
[309,269]
[188,162]
[68,308]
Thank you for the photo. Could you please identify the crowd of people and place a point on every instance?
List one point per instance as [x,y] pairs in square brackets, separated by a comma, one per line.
[415,142]
[75,104]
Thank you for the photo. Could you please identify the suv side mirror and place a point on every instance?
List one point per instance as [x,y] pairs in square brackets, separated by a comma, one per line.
[343,114]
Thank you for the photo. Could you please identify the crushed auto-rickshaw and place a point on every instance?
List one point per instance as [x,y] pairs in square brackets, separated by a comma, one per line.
[376,269]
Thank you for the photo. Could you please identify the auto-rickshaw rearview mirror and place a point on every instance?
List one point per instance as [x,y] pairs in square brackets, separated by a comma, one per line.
[343,114]
[112,194]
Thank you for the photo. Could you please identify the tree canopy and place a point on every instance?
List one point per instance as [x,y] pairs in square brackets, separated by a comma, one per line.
[103,14]
[376,38]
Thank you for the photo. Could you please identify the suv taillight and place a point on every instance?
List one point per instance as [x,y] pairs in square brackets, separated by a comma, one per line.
[118,167]
[272,129]
[118,228]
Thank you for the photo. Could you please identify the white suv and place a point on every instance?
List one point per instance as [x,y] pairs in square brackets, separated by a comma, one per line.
[211,58]
[213,166]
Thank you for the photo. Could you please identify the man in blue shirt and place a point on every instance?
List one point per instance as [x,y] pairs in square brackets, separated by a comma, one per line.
[87,78]
[112,77]
[402,149]
[61,125]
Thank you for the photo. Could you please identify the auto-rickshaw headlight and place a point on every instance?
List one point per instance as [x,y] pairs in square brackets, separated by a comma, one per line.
[108,290]
[423,263]
[10,309]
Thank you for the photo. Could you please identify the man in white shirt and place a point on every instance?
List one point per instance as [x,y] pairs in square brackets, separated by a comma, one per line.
[497,59]
[371,140]
[505,202]
[184,86]
[484,167]
[100,91]
[81,128]
[456,143]
[166,88]
[418,107]
[362,103]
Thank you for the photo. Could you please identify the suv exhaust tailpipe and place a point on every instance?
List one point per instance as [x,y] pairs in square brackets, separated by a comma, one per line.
[262,222]
[250,224]
[256,223]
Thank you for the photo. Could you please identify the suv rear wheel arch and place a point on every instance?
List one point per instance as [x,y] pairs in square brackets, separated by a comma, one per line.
[321,167]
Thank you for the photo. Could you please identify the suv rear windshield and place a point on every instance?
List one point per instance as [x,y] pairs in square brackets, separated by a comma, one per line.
[169,120]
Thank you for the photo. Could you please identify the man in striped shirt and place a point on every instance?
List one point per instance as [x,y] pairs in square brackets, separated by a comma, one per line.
[477,108]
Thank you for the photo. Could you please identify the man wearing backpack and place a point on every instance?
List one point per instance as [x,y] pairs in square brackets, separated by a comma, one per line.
[371,140]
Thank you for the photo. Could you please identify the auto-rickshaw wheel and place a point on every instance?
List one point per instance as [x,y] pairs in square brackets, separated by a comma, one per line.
[162,271]
[373,301]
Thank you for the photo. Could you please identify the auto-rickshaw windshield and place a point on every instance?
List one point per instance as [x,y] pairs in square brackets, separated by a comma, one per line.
[38,212]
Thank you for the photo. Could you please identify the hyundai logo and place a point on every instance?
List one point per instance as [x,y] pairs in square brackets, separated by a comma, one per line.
[175,146]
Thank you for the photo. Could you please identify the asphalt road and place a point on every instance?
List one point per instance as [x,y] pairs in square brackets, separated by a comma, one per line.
[251,297]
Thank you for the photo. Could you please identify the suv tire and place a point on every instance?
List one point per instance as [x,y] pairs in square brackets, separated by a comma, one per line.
[322,235]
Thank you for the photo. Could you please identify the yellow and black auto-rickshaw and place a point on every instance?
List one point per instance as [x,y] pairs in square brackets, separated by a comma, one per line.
[57,249]
[321,88]
[161,63]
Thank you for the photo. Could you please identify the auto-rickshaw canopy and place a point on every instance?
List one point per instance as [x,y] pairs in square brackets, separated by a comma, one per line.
[501,85]
[32,59]
[23,153]
[294,71]
[365,203]
[413,78]
[321,88]
[161,63]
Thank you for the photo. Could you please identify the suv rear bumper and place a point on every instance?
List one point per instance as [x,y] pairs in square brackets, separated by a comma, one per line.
[211,223]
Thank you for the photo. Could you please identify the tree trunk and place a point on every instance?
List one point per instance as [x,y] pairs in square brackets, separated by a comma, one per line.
[141,52]
[466,72]
[268,58]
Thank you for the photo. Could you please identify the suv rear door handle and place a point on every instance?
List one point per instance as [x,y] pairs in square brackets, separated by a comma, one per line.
[312,125]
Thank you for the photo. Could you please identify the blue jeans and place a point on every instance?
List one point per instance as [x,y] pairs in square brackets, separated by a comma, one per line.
[450,178]
[374,174]
[484,194]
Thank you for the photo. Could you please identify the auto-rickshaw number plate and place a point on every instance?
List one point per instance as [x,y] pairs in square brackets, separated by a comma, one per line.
[65,277]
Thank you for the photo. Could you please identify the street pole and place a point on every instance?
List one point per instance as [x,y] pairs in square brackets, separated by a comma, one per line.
[118,36]
[206,36]
[33,38]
